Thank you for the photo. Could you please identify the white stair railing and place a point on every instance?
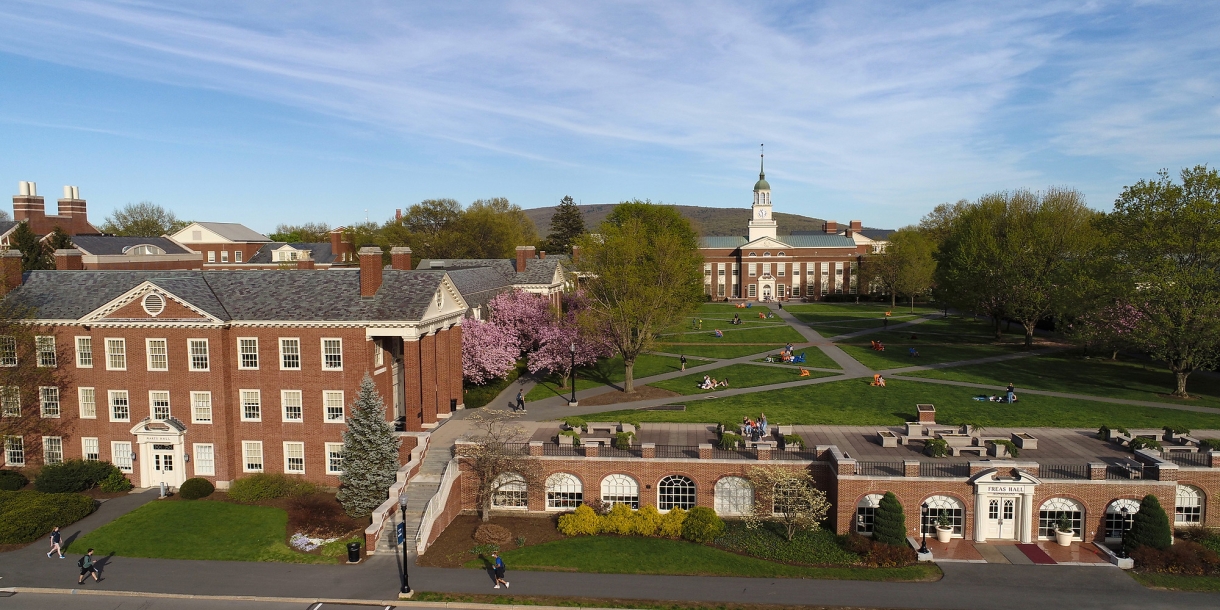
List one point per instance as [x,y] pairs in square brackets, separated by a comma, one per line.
[436,506]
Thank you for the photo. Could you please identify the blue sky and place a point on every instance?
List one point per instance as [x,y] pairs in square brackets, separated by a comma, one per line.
[260,112]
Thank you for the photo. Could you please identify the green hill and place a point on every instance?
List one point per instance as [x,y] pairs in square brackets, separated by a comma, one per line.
[709,221]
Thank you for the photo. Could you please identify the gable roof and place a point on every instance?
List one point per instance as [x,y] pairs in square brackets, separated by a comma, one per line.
[103,245]
[7,225]
[231,231]
[479,285]
[537,270]
[320,252]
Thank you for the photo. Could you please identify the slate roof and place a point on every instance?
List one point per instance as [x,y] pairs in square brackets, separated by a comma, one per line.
[7,225]
[234,231]
[877,234]
[105,245]
[479,284]
[298,295]
[821,240]
[319,252]
[537,270]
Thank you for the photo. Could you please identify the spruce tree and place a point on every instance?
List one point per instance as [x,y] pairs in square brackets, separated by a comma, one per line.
[370,454]
[58,240]
[1149,527]
[889,523]
[33,254]
[566,225]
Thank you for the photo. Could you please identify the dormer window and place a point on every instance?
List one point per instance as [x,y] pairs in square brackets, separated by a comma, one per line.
[143,250]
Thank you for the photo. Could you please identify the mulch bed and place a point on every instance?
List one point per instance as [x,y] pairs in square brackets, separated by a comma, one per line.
[642,392]
[452,548]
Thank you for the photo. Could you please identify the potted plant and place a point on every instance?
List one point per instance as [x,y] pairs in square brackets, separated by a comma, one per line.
[1063,530]
[944,527]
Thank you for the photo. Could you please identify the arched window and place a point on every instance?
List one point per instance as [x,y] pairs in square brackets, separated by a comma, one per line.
[509,492]
[1050,512]
[563,491]
[766,254]
[943,505]
[753,254]
[1116,521]
[143,250]
[866,513]
[781,254]
[1189,506]
[734,496]
[675,491]
[621,489]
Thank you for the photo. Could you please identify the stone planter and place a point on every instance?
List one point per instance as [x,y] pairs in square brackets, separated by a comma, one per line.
[1024,440]
[943,534]
[1064,538]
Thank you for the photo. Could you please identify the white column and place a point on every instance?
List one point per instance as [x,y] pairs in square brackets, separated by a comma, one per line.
[980,510]
[1027,514]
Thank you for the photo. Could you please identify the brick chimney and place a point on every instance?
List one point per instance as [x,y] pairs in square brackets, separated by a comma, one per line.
[29,207]
[541,254]
[73,212]
[68,259]
[575,252]
[524,253]
[854,227]
[10,269]
[398,214]
[342,250]
[370,271]
[400,258]
[831,227]
[305,260]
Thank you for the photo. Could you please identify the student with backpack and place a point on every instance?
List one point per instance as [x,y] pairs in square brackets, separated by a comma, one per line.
[498,566]
[86,566]
[56,539]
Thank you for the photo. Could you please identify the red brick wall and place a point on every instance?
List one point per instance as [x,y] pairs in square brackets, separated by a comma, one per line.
[247,250]
[793,257]
[1209,481]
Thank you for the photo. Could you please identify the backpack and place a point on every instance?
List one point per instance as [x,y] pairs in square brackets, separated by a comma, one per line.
[80,563]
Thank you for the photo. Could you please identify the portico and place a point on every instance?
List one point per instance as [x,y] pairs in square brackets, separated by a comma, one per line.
[1004,505]
[161,452]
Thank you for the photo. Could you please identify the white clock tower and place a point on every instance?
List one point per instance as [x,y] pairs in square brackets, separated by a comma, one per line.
[762,224]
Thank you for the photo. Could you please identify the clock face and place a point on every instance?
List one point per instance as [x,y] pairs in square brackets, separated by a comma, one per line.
[762,213]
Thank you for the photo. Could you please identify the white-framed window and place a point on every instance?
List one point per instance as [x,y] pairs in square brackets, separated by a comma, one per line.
[564,491]
[252,452]
[294,457]
[45,344]
[1052,509]
[675,491]
[1188,508]
[332,354]
[211,256]
[158,404]
[224,256]
[334,458]
[752,290]
[247,350]
[158,354]
[14,451]
[86,399]
[120,406]
[10,401]
[84,352]
[199,354]
[116,354]
[290,400]
[48,401]
[251,405]
[290,354]
[8,351]
[379,355]
[621,489]
[1118,522]
[120,455]
[333,401]
[205,459]
[509,491]
[866,513]
[734,496]
[752,270]
[943,505]
[201,407]
[52,449]
[237,256]
[90,449]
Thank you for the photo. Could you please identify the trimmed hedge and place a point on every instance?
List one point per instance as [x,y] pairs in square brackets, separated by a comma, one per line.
[621,520]
[26,516]
[73,476]
[11,480]
[195,488]
[702,525]
[269,486]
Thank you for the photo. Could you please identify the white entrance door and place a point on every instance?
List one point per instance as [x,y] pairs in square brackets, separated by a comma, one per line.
[165,466]
[1001,518]
[766,292]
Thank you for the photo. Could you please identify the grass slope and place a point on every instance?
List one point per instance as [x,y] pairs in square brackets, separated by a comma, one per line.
[608,371]
[739,376]
[814,357]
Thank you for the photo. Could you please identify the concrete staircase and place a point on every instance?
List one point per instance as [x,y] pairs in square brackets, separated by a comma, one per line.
[420,489]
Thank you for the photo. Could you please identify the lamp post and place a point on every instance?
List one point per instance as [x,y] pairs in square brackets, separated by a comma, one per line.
[1122,550]
[405,590]
[923,527]
[572,348]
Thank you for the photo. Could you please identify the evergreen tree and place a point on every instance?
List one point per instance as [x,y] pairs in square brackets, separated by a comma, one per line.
[1149,527]
[889,523]
[370,454]
[566,225]
[33,253]
[58,240]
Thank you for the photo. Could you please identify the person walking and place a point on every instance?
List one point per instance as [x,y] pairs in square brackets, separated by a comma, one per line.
[87,567]
[56,539]
[520,401]
[682,359]
[498,566]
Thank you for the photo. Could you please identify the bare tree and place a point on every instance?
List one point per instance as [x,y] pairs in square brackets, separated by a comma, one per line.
[34,372]
[496,453]
[786,496]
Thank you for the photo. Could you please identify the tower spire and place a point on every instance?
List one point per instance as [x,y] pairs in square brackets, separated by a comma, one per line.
[762,175]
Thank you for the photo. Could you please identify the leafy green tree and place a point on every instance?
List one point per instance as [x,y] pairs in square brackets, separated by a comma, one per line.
[906,267]
[370,454]
[493,228]
[309,233]
[1149,527]
[1164,239]
[971,261]
[645,274]
[58,240]
[567,224]
[33,252]
[889,522]
[144,219]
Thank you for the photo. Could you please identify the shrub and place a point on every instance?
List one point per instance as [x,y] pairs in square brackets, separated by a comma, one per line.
[1140,442]
[574,434]
[11,480]
[574,422]
[620,520]
[671,524]
[770,541]
[889,523]
[1149,527]
[1013,450]
[1122,430]
[622,440]
[73,476]
[269,486]
[193,489]
[1176,430]
[1103,432]
[727,427]
[1184,557]
[1212,444]
[598,505]
[793,440]
[889,556]
[936,447]
[116,483]
[490,533]
[26,516]
[647,521]
[702,525]
[583,521]
[729,441]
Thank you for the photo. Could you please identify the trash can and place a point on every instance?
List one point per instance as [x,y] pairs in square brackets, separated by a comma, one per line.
[353,552]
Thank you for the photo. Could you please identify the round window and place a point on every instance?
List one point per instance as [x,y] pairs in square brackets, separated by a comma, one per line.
[154,304]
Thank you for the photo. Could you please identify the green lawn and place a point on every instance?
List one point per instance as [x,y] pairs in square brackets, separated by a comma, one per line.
[717,351]
[739,376]
[1070,372]
[199,529]
[873,308]
[608,370]
[814,357]
[637,555]
[855,403]
[1178,582]
[897,355]
[771,333]
[479,395]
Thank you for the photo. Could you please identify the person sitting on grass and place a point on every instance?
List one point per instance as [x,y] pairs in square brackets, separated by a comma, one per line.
[762,316]
[804,372]
[706,384]
[719,334]
[878,380]
[724,383]
[913,352]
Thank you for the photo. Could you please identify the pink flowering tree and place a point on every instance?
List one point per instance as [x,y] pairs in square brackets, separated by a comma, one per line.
[523,315]
[489,351]
[554,351]
[1111,328]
